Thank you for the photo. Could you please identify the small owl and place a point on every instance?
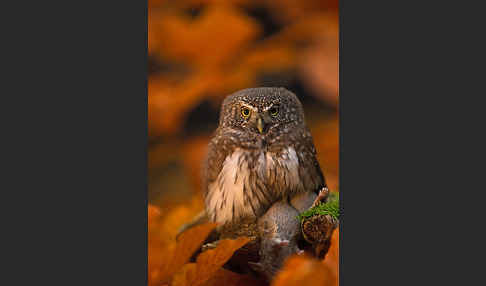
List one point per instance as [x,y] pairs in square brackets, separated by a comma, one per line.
[262,152]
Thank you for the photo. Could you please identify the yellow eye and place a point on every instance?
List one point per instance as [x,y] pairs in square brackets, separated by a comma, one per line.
[273,111]
[245,111]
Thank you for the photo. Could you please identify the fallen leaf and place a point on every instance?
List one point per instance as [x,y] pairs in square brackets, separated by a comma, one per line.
[211,260]
[332,257]
[158,257]
[185,40]
[153,213]
[178,216]
[189,241]
[159,249]
[165,255]
[224,277]
[168,104]
[186,276]
[208,263]
[304,270]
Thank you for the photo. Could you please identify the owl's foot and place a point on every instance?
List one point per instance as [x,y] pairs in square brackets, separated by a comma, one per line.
[321,197]
[210,245]
[257,267]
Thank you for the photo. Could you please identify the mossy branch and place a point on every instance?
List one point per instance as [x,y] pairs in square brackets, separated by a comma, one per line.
[330,207]
[319,222]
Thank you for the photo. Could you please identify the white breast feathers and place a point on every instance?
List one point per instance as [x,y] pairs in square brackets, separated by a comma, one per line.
[240,192]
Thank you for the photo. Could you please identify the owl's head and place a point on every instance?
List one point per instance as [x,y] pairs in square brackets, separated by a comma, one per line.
[261,110]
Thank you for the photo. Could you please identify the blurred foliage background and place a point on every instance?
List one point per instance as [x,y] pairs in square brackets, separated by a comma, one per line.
[202,50]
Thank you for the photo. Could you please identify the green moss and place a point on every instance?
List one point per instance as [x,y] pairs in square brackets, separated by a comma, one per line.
[331,207]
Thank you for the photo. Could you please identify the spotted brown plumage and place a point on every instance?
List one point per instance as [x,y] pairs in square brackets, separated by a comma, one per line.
[261,152]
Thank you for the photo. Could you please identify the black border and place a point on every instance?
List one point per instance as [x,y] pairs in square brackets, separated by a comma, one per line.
[409,142]
[75,159]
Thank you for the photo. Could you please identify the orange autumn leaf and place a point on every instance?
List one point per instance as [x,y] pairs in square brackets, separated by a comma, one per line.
[224,277]
[199,65]
[186,40]
[211,260]
[208,263]
[158,256]
[332,257]
[180,215]
[168,104]
[270,58]
[186,276]
[153,213]
[304,270]
[164,262]
[162,230]
[188,242]
[158,250]
[165,255]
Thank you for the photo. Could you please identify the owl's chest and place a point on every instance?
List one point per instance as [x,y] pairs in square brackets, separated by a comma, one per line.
[274,170]
[250,181]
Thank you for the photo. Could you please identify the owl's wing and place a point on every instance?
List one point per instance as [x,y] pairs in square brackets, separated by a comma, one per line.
[309,172]
[309,169]
[214,162]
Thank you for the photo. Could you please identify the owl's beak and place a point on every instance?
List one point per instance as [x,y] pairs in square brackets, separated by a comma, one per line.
[260,125]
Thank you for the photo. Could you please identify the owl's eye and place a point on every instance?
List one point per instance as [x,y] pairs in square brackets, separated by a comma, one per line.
[273,111]
[245,111]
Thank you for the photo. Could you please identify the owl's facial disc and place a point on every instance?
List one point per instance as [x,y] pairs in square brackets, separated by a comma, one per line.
[259,122]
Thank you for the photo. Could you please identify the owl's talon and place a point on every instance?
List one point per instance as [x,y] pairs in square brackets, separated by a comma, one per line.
[210,245]
[256,266]
[321,197]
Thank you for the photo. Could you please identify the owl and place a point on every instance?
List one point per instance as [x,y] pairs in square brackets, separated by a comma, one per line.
[262,152]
